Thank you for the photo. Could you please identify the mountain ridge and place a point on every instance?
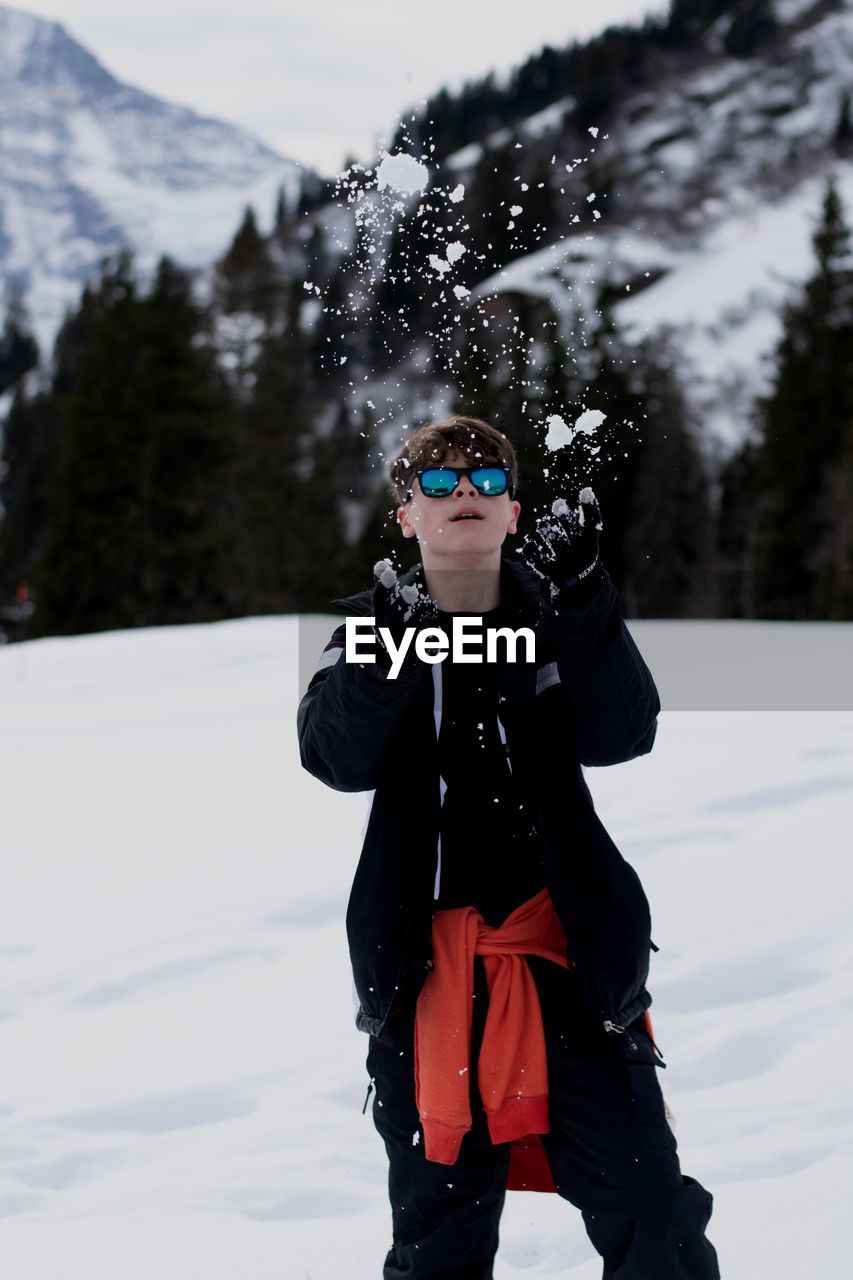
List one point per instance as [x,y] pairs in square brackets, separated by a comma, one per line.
[91,165]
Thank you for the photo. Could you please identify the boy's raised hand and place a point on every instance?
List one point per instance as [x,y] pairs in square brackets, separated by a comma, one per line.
[563,550]
[398,607]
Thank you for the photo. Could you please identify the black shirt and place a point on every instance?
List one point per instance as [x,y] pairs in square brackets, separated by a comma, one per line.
[491,854]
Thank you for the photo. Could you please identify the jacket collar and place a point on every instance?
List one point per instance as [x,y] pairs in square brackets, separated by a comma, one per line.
[520,591]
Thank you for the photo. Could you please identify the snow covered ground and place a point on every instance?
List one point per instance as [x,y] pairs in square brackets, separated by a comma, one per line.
[182,1082]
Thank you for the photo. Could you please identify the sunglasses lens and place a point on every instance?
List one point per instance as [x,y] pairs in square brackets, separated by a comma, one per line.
[489,480]
[437,482]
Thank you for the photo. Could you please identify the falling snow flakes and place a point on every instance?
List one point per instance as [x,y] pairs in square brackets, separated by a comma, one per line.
[561,434]
[457,194]
[402,172]
[590,197]
[453,252]
[416,1137]
[593,130]
[515,210]
[460,291]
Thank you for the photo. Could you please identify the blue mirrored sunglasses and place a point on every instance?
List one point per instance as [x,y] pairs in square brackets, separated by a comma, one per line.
[439,482]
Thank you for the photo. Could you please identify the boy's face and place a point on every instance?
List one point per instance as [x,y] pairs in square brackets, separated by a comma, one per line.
[431,520]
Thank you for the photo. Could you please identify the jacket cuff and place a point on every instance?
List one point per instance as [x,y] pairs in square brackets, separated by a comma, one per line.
[583,600]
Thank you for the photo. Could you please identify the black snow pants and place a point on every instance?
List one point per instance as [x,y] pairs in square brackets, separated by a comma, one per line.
[610,1150]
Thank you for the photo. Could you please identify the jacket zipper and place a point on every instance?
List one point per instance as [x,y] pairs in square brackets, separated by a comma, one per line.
[614,1028]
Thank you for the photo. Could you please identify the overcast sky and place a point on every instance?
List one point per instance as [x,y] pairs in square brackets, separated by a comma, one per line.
[320,81]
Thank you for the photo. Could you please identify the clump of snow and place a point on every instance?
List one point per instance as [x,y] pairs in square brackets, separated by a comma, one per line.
[559,507]
[586,495]
[561,434]
[457,194]
[515,210]
[402,172]
[455,251]
[439,264]
[461,291]
[589,421]
[385,572]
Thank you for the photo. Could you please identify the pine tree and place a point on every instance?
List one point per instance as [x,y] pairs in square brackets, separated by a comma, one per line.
[735,542]
[272,430]
[133,535]
[803,426]
[280,216]
[844,129]
[753,23]
[611,388]
[18,348]
[689,19]
[187,454]
[29,444]
[489,197]
[668,540]
[831,559]
[293,483]
[325,554]
[399,296]
[245,277]
[23,458]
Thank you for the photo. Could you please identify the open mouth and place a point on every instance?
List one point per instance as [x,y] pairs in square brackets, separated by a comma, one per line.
[465,515]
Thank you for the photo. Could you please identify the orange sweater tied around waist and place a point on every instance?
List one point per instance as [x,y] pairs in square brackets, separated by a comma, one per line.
[512,1069]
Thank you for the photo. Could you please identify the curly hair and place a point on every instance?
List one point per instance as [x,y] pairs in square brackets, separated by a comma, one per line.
[483,444]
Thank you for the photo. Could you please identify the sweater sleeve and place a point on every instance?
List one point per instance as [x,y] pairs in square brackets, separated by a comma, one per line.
[348,716]
[612,701]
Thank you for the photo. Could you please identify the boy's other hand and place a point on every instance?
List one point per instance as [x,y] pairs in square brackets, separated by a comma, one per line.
[398,607]
[563,551]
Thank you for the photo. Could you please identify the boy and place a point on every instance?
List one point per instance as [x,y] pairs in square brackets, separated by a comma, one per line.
[499,941]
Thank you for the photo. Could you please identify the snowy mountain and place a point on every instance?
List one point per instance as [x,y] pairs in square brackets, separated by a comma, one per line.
[716,179]
[694,195]
[88,164]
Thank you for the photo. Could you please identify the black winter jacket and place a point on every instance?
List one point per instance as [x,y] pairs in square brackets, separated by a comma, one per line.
[589,699]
